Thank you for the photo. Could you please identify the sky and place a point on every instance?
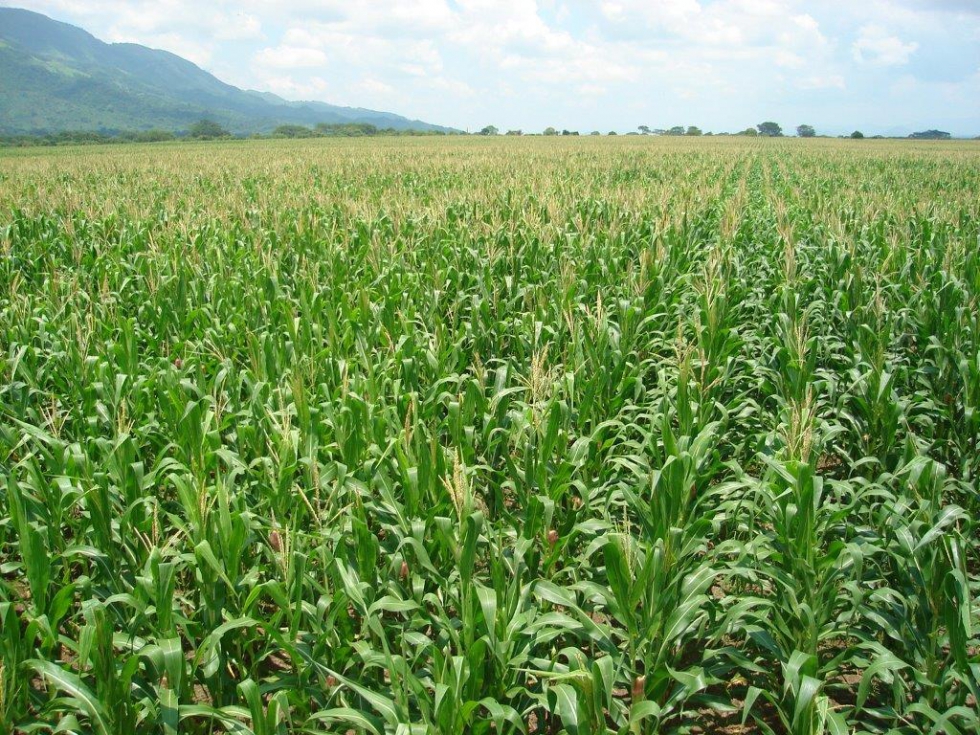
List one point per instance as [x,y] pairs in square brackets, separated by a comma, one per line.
[880,66]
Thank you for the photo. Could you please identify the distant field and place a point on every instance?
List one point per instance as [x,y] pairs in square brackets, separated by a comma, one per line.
[603,435]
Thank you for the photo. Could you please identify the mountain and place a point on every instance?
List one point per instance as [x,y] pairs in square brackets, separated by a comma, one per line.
[55,76]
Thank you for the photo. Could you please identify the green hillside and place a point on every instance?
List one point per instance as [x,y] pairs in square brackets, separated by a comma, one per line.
[54,76]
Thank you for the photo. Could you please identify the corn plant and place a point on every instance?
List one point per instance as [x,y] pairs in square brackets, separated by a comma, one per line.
[454,436]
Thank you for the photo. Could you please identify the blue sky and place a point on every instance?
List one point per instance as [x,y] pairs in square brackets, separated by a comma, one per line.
[881,66]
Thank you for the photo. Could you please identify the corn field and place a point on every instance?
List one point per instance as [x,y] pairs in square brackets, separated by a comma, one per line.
[421,436]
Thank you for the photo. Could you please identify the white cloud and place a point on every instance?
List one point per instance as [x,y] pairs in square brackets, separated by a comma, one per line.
[592,90]
[831,81]
[377,87]
[675,15]
[290,57]
[239,27]
[453,87]
[402,18]
[359,49]
[876,46]
[724,31]
[788,59]
[287,86]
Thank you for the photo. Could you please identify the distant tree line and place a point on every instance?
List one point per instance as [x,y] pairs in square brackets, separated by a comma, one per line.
[767,129]
[493,130]
[343,130]
[86,137]
[211,130]
[200,130]
[772,129]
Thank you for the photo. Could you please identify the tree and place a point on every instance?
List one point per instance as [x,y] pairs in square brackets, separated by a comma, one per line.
[645,129]
[693,130]
[515,132]
[347,130]
[931,135]
[751,132]
[676,130]
[857,135]
[612,132]
[595,132]
[207,130]
[153,136]
[806,131]
[550,131]
[292,131]
[489,130]
[770,129]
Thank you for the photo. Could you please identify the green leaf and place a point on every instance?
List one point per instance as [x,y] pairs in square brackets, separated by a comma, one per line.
[567,706]
[348,716]
[76,689]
